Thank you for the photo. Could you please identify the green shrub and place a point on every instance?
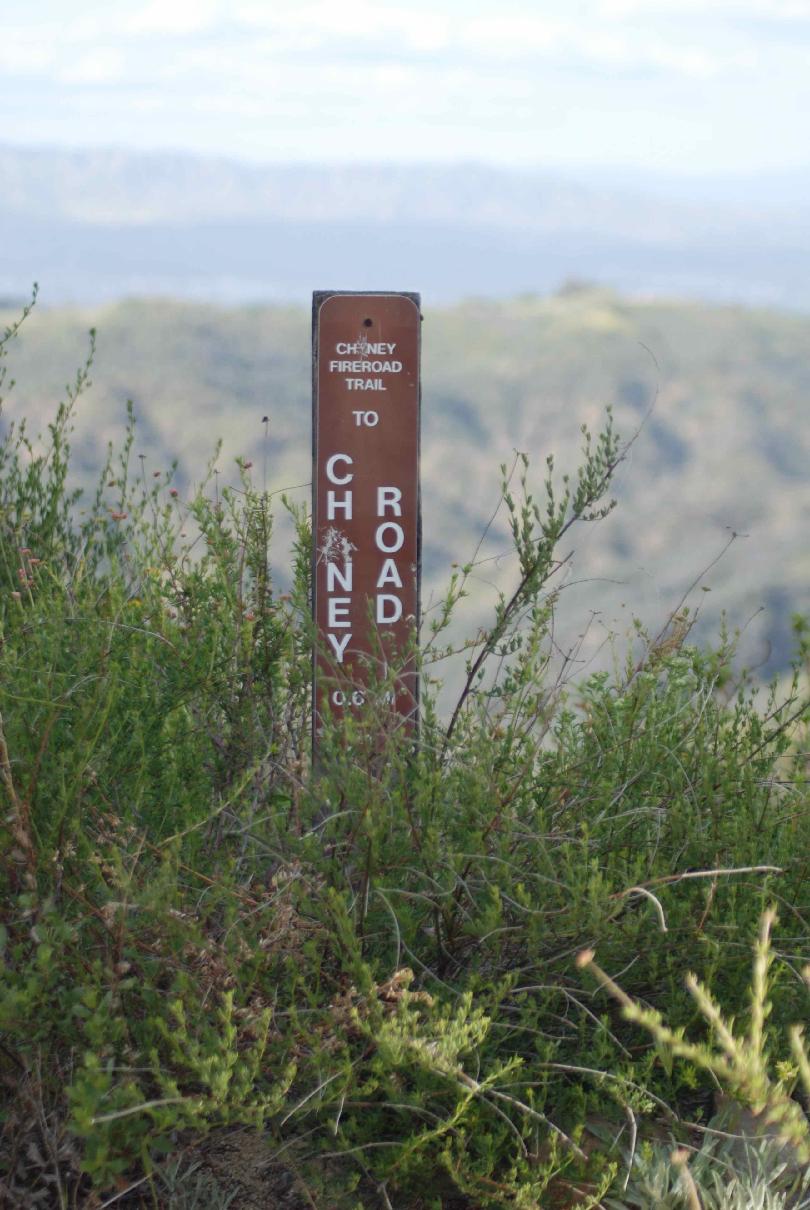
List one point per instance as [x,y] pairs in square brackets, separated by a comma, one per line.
[372,962]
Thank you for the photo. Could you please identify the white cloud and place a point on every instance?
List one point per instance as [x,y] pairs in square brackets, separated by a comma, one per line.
[632,48]
[645,51]
[320,23]
[240,72]
[176,18]
[714,10]
[23,54]
[521,35]
[147,38]
[102,65]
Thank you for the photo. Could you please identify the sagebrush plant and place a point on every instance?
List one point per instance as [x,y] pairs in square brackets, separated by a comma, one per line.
[720,1175]
[740,1063]
[371,963]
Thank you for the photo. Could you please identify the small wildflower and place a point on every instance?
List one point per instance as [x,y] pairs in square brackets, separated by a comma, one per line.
[250,616]
[17,596]
[156,474]
[247,465]
[173,491]
[119,516]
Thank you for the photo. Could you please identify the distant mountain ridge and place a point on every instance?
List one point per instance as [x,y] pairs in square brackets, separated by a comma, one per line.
[123,188]
[97,224]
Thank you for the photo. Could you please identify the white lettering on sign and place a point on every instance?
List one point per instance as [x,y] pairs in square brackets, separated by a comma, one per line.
[365,384]
[335,576]
[338,610]
[339,644]
[392,545]
[333,504]
[365,367]
[339,698]
[389,575]
[389,538]
[389,497]
[354,358]
[364,347]
[330,469]
[389,607]
[369,419]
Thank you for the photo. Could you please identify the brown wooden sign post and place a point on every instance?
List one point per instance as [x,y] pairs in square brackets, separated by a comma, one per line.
[366,519]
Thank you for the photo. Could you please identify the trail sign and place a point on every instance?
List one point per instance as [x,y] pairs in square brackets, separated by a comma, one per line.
[366,520]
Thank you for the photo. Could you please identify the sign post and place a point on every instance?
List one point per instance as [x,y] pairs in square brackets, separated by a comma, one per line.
[366,520]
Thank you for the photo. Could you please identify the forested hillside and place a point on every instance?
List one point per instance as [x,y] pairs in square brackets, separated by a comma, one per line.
[722,396]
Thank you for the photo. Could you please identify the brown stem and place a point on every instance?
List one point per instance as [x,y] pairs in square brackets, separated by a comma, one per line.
[516,599]
[21,812]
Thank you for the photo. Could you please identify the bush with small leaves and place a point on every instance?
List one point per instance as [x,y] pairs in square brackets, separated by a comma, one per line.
[370,963]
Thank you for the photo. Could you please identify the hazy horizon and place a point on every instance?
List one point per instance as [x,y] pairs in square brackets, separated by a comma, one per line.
[97,224]
[615,172]
[246,150]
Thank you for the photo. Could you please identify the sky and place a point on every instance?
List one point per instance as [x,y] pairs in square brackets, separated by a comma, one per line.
[685,86]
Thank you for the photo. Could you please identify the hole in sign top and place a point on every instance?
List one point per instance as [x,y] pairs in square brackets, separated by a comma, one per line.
[366,516]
